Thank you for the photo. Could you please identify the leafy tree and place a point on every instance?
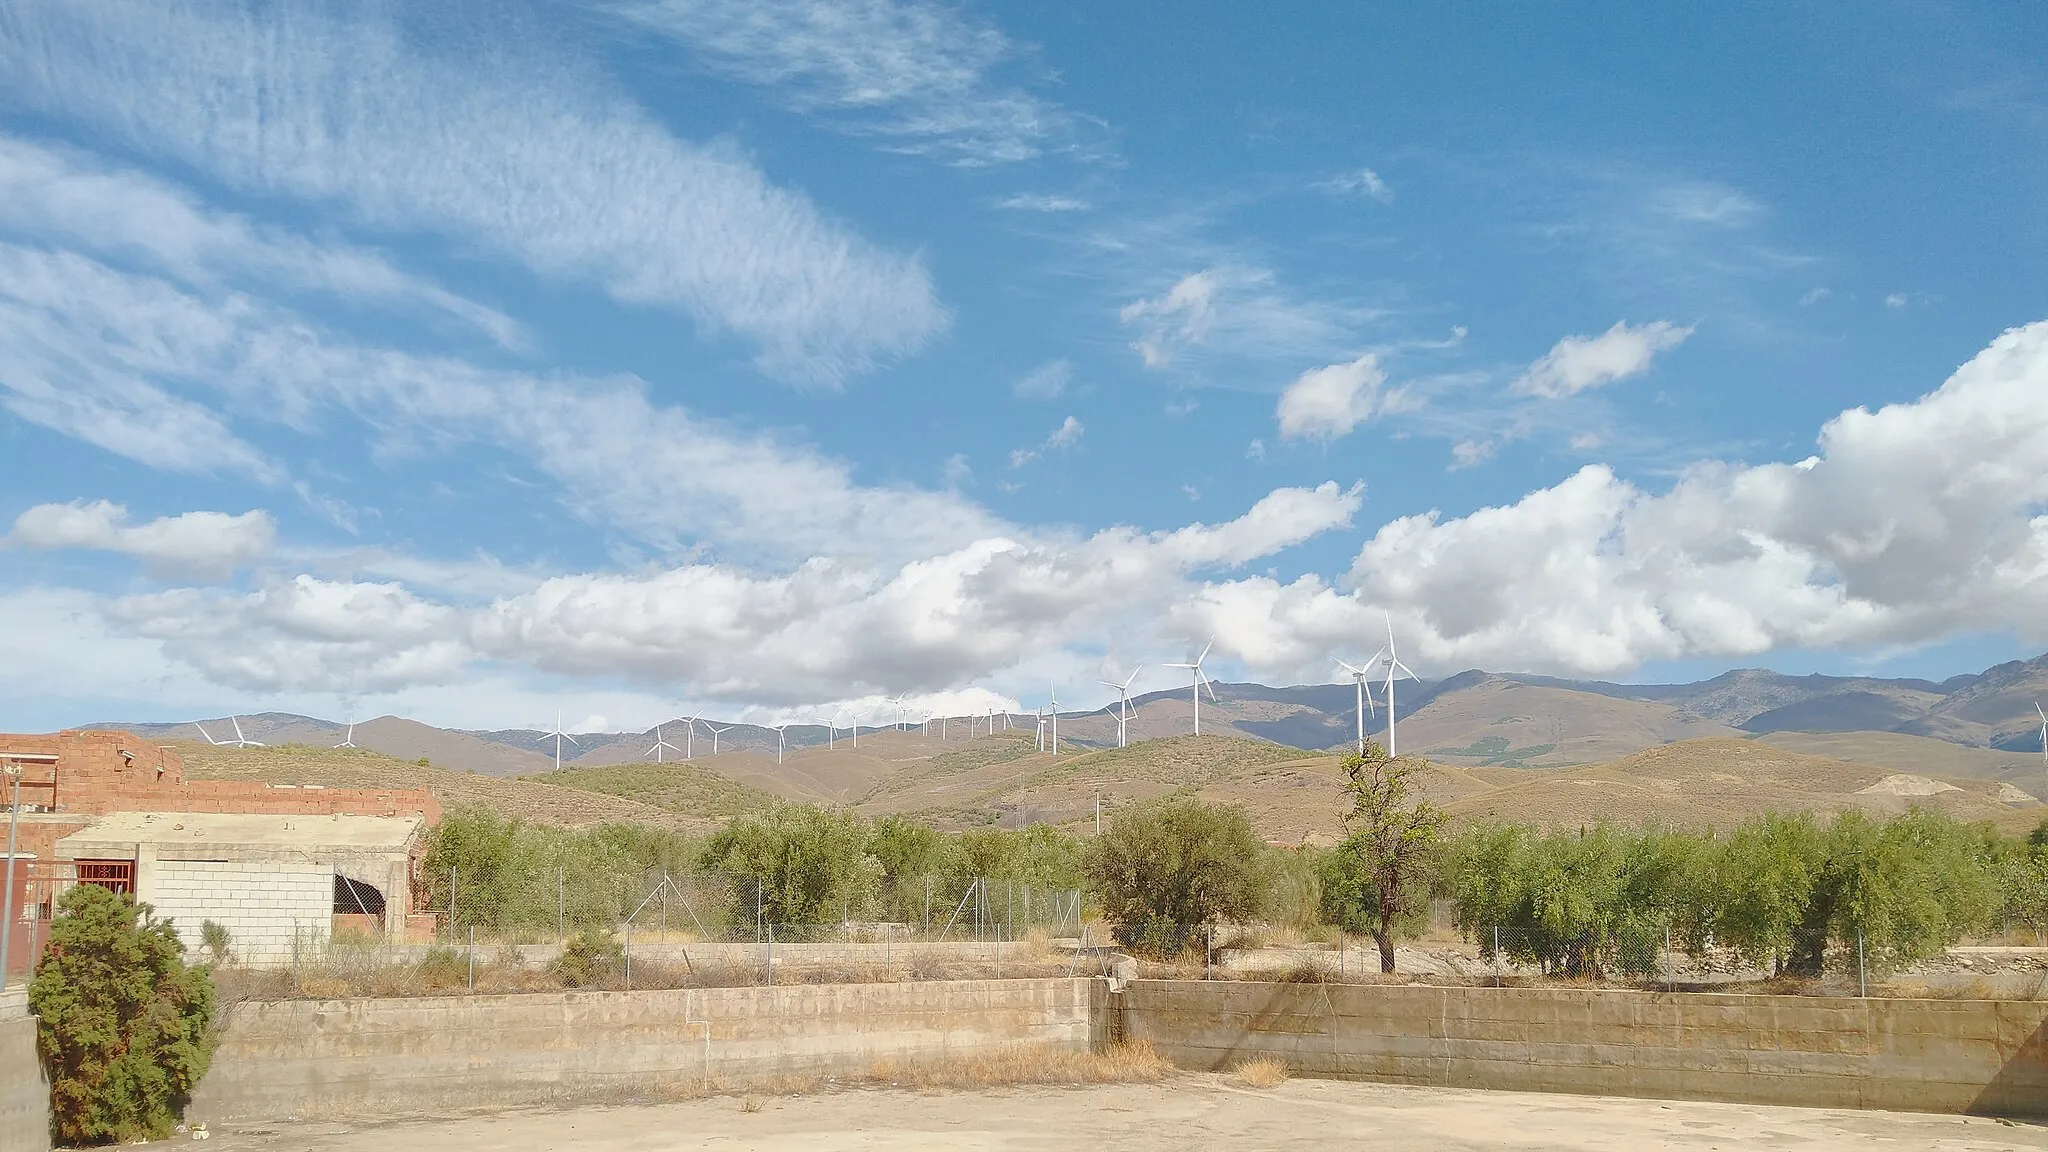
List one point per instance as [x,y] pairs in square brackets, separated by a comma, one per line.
[1762,881]
[1392,845]
[1169,865]
[122,1020]
[804,865]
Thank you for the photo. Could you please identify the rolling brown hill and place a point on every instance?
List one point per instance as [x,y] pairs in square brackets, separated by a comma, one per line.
[529,800]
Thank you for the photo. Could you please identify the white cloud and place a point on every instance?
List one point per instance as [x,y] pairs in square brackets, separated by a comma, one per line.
[919,74]
[1587,442]
[958,471]
[826,630]
[93,353]
[1578,363]
[1471,453]
[1063,437]
[1895,300]
[1033,202]
[1046,382]
[1237,311]
[1707,203]
[1814,296]
[1326,403]
[199,542]
[1364,182]
[62,196]
[1915,522]
[513,152]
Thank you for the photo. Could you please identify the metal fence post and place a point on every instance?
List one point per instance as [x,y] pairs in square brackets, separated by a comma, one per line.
[1670,963]
[629,957]
[562,904]
[1209,954]
[472,957]
[771,955]
[1340,954]
[1862,986]
[1496,957]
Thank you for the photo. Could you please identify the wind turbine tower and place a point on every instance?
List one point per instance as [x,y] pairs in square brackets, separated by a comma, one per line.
[1123,696]
[558,735]
[1199,681]
[660,743]
[1358,676]
[1395,670]
[716,732]
[349,740]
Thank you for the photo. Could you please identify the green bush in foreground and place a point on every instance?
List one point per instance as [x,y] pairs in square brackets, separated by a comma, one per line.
[1167,866]
[590,957]
[123,1021]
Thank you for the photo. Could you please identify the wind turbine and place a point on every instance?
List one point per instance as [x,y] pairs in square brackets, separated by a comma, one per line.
[1358,675]
[2044,732]
[558,735]
[715,731]
[1395,670]
[660,742]
[780,744]
[242,741]
[349,741]
[1199,681]
[1123,719]
[1055,717]
[690,736]
[1039,738]
[209,735]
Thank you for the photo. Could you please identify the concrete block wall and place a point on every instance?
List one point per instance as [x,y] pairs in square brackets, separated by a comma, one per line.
[24,1094]
[1909,1055]
[264,906]
[377,1058]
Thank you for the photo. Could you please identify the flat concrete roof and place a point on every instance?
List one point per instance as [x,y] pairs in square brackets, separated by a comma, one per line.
[240,836]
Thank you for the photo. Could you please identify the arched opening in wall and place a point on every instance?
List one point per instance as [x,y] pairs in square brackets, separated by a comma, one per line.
[355,898]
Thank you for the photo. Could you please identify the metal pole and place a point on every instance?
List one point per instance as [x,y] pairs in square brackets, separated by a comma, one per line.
[472,957]
[1340,954]
[1670,965]
[771,955]
[927,907]
[562,904]
[451,903]
[1496,956]
[1209,955]
[7,902]
[629,956]
[1862,988]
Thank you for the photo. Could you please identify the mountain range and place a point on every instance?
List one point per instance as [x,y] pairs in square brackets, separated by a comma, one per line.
[1981,725]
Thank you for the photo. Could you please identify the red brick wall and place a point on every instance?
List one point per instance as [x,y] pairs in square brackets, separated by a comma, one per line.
[94,778]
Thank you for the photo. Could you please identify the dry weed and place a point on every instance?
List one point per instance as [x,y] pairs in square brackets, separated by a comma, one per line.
[1264,1072]
[751,1104]
[1128,1063]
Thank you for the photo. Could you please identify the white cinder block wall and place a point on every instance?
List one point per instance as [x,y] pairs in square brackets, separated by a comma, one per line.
[262,905]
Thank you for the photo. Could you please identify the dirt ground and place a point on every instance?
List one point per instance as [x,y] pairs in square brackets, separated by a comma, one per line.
[1184,1113]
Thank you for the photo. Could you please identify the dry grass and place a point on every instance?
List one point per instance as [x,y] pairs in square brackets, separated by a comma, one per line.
[1134,1062]
[1264,1072]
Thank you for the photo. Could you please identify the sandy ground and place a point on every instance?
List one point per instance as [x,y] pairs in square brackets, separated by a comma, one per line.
[1185,1113]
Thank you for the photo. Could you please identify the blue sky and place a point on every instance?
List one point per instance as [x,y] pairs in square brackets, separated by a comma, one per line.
[473,361]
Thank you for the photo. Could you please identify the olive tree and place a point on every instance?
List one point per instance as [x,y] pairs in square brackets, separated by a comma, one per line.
[1169,865]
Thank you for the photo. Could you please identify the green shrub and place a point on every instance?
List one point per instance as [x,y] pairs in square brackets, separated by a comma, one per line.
[214,939]
[123,1026]
[590,958]
[1168,865]
[797,865]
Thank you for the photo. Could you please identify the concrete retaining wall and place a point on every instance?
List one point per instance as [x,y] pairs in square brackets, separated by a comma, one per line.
[265,906]
[24,1094]
[372,1058]
[1909,1055]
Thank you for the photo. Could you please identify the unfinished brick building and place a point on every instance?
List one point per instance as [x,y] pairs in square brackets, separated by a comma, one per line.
[266,858]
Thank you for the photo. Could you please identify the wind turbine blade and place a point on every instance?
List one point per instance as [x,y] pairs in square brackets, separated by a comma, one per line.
[1405,671]
[1205,650]
[2037,712]
[1206,683]
[570,739]
[1126,685]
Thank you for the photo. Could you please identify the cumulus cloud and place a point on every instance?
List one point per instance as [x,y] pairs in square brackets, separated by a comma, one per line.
[1062,438]
[197,542]
[1326,403]
[1914,522]
[1578,363]
[828,629]
[510,150]
[1045,382]
[1471,453]
[920,75]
